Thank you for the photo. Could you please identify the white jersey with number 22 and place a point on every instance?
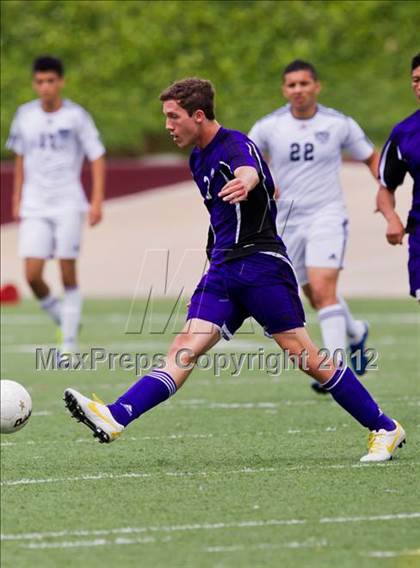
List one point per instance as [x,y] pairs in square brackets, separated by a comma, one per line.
[305,158]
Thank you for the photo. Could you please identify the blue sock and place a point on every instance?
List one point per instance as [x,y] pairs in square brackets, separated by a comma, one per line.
[149,391]
[349,393]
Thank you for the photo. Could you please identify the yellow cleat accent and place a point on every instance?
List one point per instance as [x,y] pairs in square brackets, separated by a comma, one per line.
[93,406]
[97,399]
[383,444]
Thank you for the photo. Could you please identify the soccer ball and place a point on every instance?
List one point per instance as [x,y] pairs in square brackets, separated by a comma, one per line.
[16,406]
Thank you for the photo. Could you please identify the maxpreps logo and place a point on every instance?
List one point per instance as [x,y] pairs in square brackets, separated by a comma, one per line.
[322,136]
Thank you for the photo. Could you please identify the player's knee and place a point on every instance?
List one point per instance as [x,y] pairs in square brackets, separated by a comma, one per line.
[321,297]
[68,276]
[69,281]
[34,279]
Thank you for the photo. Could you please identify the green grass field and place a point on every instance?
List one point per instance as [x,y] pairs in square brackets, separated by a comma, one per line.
[242,471]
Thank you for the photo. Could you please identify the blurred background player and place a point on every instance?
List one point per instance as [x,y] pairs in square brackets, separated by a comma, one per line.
[249,275]
[304,141]
[50,137]
[401,154]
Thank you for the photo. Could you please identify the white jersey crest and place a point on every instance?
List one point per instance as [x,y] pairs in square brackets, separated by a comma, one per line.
[53,146]
[305,158]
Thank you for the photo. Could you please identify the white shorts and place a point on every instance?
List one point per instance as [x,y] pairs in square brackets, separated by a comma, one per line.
[54,236]
[319,242]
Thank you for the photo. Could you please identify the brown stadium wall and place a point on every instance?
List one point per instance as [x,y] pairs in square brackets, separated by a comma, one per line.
[123,177]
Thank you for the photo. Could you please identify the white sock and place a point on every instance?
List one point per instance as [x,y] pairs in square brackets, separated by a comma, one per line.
[355,328]
[70,317]
[52,306]
[333,328]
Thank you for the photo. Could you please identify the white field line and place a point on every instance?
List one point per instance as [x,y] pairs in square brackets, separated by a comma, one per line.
[310,543]
[162,318]
[206,526]
[125,439]
[264,405]
[87,543]
[392,553]
[246,342]
[113,318]
[170,437]
[41,413]
[119,347]
[141,346]
[127,541]
[241,405]
[129,475]
[242,471]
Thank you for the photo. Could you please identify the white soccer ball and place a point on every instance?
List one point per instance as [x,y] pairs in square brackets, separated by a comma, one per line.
[16,406]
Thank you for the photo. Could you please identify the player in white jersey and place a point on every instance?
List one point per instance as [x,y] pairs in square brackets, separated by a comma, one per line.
[304,142]
[50,137]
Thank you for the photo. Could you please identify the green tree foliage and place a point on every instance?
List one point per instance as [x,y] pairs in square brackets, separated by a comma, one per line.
[120,54]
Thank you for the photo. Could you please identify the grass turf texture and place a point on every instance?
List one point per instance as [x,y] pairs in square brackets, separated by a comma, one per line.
[248,471]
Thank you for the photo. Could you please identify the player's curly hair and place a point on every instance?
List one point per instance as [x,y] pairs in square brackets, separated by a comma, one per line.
[192,94]
[415,62]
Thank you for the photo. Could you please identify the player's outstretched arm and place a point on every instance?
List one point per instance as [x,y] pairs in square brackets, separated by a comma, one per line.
[98,190]
[385,202]
[237,189]
[17,186]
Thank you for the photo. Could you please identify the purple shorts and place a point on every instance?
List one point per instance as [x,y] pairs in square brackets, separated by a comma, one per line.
[414,261]
[259,285]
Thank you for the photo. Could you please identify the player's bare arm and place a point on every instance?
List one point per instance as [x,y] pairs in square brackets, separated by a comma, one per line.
[17,186]
[385,201]
[98,191]
[373,163]
[237,189]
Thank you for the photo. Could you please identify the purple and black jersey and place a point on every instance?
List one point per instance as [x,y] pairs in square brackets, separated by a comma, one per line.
[401,154]
[243,228]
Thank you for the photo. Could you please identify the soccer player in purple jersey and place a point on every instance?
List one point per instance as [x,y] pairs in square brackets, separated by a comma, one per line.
[249,275]
[401,154]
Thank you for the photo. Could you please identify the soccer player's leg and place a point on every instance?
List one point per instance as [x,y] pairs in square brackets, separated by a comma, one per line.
[324,259]
[68,231]
[278,309]
[414,263]
[211,314]
[108,421]
[322,292]
[385,434]
[35,247]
